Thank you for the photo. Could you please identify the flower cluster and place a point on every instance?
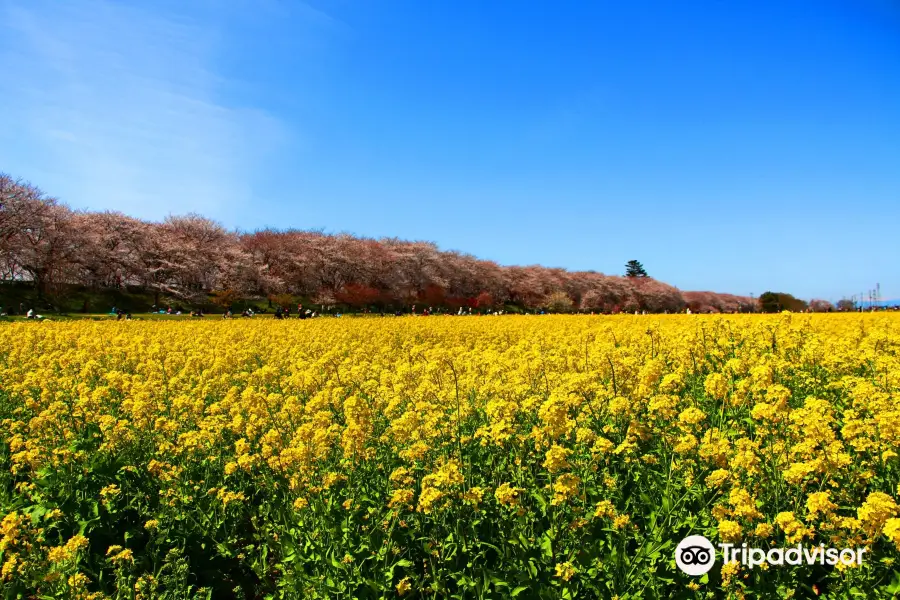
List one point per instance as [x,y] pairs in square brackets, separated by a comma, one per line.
[441,457]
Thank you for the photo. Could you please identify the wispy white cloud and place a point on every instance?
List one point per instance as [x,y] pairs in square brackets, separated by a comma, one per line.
[113,106]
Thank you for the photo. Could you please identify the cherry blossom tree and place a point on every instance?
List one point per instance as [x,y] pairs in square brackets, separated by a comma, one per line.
[189,256]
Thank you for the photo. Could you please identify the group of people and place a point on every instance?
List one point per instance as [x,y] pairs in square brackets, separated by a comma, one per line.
[120,314]
[30,314]
[246,313]
[285,312]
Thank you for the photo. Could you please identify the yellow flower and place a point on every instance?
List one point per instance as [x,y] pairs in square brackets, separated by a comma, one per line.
[110,491]
[729,571]
[818,502]
[473,496]
[794,530]
[428,500]
[716,386]
[875,511]
[425,414]
[717,478]
[121,556]
[565,486]
[764,530]
[404,586]
[9,567]
[507,495]
[797,472]
[691,416]
[763,411]
[402,498]
[892,531]
[685,444]
[743,504]
[78,581]
[565,571]
[556,459]
[729,531]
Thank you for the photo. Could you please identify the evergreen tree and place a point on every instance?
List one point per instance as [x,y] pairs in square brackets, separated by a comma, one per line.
[634,268]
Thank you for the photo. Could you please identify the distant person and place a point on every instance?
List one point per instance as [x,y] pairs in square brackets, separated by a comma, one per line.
[29,314]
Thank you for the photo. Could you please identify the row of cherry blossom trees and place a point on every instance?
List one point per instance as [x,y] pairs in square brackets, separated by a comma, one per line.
[187,257]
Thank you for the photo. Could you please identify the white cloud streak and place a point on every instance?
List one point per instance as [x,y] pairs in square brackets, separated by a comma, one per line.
[111,106]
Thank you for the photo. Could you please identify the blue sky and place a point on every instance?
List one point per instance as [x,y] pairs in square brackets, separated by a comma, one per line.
[732,146]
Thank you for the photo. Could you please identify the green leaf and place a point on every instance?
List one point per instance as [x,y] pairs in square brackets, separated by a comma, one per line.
[547,545]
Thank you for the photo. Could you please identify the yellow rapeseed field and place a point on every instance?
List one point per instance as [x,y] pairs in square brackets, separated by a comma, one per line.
[446,457]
